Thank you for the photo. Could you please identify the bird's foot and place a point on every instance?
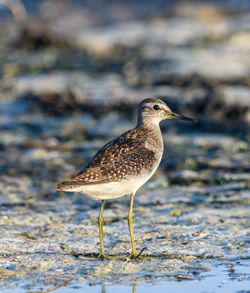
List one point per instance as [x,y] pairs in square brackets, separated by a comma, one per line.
[135,255]
[102,256]
[109,257]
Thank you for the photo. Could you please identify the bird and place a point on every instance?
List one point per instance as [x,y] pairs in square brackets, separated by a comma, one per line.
[124,164]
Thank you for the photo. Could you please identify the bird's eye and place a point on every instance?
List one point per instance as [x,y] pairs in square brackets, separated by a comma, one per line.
[156,107]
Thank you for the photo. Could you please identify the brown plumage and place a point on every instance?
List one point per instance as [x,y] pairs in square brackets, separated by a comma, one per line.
[123,165]
[121,157]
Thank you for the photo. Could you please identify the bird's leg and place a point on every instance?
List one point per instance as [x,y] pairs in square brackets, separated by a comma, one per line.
[100,222]
[130,225]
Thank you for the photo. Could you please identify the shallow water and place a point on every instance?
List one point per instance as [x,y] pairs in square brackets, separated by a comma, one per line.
[218,279]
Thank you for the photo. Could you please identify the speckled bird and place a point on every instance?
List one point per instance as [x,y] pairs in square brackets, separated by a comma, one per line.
[124,164]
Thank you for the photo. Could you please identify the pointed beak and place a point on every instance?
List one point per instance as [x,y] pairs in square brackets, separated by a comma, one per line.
[180,117]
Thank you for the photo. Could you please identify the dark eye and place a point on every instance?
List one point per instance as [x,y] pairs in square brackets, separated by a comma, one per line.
[156,107]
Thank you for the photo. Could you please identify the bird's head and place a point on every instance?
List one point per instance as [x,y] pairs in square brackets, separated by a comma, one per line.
[155,110]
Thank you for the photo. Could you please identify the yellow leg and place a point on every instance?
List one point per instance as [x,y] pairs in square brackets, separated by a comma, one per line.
[130,225]
[100,222]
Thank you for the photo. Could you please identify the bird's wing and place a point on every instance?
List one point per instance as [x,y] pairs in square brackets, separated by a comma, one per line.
[118,159]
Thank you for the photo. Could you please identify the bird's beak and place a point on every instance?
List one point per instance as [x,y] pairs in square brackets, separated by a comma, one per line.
[179,117]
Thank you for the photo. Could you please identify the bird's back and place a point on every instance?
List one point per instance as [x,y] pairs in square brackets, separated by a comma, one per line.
[122,158]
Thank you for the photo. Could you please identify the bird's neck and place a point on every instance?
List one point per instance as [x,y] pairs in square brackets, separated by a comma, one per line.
[154,140]
[148,122]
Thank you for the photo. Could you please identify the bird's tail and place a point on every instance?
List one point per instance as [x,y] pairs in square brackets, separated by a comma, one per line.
[67,185]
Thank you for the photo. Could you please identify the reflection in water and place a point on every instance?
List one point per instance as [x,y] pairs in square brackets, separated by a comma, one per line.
[218,277]
[104,288]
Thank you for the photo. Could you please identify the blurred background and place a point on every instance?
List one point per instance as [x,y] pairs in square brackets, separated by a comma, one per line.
[72,75]
[76,70]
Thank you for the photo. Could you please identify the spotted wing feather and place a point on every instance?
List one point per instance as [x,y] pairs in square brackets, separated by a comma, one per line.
[122,157]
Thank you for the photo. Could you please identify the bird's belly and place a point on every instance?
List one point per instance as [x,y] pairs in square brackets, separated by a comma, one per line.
[114,189]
